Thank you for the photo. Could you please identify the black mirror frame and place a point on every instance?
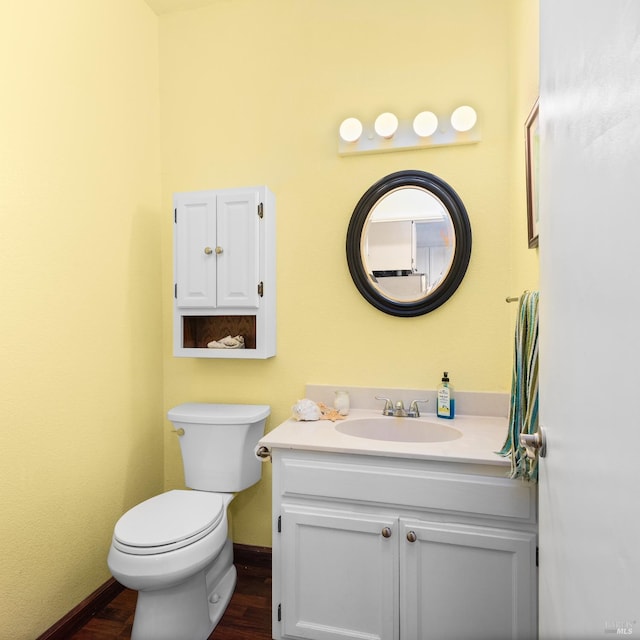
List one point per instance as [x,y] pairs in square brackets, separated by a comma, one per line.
[461,226]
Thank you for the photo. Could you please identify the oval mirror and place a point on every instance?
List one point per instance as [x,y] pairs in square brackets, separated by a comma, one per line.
[408,243]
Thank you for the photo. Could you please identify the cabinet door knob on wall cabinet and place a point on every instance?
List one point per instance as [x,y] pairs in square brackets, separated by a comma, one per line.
[208,250]
[218,250]
[386,532]
[411,536]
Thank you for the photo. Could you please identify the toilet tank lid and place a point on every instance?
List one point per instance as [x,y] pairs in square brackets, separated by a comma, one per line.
[212,413]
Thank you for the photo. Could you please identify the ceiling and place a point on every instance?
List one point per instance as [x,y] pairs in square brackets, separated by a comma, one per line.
[168,6]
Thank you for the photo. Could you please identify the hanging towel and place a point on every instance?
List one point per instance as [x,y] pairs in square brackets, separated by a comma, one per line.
[523,410]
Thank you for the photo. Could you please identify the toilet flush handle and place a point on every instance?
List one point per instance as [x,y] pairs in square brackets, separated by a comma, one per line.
[179,431]
[263,453]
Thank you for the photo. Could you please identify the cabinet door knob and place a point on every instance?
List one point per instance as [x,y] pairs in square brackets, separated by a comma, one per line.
[208,250]
[411,536]
[218,250]
[386,532]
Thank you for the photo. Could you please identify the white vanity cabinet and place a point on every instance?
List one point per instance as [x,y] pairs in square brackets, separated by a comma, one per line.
[400,549]
[224,272]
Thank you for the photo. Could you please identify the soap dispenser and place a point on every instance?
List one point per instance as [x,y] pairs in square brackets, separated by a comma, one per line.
[446,402]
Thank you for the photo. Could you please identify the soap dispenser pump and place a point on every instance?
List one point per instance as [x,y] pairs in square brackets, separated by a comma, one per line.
[446,402]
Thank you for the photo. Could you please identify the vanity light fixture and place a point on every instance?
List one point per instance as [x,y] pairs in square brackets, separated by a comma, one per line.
[351,130]
[425,124]
[464,118]
[426,129]
[386,125]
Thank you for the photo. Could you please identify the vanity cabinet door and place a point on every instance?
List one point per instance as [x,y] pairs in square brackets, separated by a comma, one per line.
[339,575]
[460,581]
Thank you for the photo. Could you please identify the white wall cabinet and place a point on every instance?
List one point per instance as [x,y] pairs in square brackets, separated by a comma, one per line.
[357,555]
[224,272]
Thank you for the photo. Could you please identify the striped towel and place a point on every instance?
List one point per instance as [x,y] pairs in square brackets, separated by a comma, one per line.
[523,411]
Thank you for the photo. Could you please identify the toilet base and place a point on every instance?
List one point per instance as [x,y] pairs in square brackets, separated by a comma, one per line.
[190,610]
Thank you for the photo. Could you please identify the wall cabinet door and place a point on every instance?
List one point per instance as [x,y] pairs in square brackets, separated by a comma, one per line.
[196,239]
[237,249]
[339,575]
[217,249]
[463,582]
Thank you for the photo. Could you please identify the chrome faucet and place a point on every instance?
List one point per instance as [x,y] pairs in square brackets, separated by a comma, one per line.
[399,411]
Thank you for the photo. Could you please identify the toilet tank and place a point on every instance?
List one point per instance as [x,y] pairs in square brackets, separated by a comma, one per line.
[218,444]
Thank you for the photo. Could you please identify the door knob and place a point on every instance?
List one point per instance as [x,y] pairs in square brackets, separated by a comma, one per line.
[411,536]
[208,250]
[386,532]
[534,443]
[218,250]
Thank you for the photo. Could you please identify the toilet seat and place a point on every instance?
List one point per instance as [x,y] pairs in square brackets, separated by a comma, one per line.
[167,522]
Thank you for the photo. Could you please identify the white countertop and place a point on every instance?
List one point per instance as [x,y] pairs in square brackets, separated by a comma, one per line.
[481,437]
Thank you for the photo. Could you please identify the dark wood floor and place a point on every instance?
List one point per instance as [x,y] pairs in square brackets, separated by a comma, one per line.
[248,616]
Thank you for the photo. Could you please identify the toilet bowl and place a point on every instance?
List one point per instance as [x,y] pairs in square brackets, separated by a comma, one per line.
[174,548]
[168,548]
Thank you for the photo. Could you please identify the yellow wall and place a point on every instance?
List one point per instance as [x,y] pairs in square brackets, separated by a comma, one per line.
[107,110]
[525,46]
[252,93]
[80,330]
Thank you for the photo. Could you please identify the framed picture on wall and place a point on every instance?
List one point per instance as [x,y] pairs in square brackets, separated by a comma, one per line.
[532,151]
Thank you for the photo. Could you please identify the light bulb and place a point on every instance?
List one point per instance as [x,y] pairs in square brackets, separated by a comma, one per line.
[463,118]
[425,124]
[386,125]
[351,129]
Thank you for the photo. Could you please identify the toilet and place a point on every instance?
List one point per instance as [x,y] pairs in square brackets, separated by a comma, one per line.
[174,548]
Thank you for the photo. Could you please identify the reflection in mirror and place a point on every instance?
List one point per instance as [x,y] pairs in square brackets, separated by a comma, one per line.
[408,244]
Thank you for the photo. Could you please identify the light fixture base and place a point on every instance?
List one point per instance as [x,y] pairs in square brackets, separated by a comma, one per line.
[406,139]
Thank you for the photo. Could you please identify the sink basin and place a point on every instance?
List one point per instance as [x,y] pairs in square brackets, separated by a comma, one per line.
[398,429]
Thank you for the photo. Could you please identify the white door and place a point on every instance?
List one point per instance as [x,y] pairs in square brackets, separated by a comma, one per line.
[217,249]
[195,240]
[238,251]
[462,582]
[340,577]
[589,538]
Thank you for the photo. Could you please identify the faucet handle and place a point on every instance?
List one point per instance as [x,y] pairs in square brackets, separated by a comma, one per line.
[414,412]
[388,406]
